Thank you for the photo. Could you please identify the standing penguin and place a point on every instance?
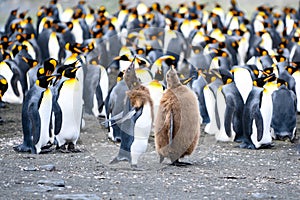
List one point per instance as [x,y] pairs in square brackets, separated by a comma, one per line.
[137,119]
[257,109]
[284,118]
[36,114]
[68,110]
[177,125]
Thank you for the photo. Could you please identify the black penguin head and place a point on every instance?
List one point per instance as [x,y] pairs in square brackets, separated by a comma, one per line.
[3,86]
[31,62]
[44,81]
[227,77]
[261,81]
[50,65]
[172,78]
[70,72]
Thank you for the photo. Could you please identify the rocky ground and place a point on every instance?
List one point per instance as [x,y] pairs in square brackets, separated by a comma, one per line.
[219,170]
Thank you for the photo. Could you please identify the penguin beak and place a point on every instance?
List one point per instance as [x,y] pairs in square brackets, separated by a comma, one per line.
[74,70]
[50,78]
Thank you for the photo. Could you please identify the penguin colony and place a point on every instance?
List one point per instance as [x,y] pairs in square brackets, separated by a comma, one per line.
[175,67]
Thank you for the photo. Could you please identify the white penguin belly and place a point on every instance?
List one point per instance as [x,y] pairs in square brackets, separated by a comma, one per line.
[9,96]
[142,131]
[77,31]
[45,114]
[53,46]
[296,76]
[104,84]
[243,81]
[210,102]
[266,110]
[70,102]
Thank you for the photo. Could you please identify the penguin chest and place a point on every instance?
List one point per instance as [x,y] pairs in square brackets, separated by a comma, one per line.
[53,46]
[243,81]
[143,124]
[77,31]
[45,109]
[210,102]
[142,129]
[70,102]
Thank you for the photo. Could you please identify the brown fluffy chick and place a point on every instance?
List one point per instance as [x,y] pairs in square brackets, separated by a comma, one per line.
[177,125]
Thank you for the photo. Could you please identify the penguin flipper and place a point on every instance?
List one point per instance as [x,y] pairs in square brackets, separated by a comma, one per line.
[36,123]
[58,117]
[259,124]
[99,97]
[14,82]
[228,119]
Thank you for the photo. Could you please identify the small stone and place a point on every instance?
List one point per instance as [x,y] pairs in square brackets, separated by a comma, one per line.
[76,197]
[30,168]
[258,195]
[49,167]
[55,182]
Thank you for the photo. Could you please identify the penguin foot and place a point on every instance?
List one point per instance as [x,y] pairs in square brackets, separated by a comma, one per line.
[22,148]
[247,146]
[238,140]
[62,149]
[177,163]
[3,104]
[48,146]
[118,159]
[71,148]
[136,168]
[45,151]
[114,161]
[267,146]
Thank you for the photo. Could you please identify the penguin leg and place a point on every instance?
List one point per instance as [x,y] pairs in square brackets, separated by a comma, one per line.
[178,163]
[136,168]
[71,148]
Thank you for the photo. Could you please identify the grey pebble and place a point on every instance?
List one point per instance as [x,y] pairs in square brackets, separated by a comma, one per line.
[76,197]
[55,182]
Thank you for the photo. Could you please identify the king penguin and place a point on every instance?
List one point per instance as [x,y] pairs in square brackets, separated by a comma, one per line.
[137,119]
[177,125]
[95,90]
[68,115]
[230,109]
[284,118]
[36,114]
[257,117]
